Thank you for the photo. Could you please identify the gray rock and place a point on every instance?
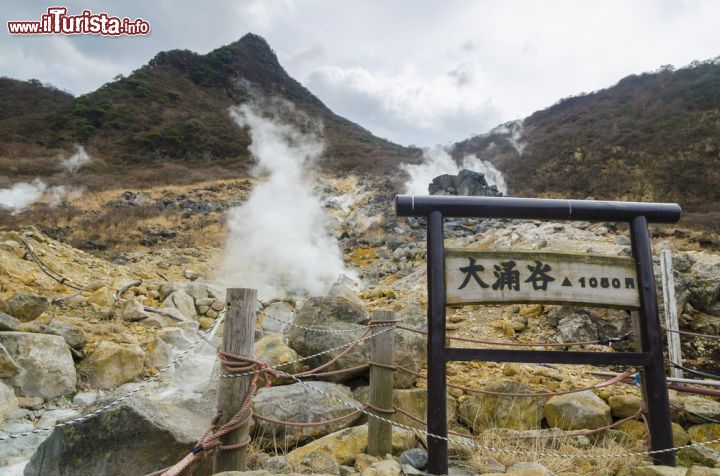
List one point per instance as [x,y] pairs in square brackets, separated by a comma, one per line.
[53,417]
[344,287]
[481,412]
[301,404]
[26,306]
[386,467]
[8,367]
[158,354]
[320,462]
[8,401]
[279,310]
[8,323]
[113,364]
[340,314]
[278,465]
[183,302]
[197,290]
[47,366]
[536,469]
[85,398]
[700,410]
[133,311]
[73,335]
[136,437]
[577,411]
[416,457]
[700,454]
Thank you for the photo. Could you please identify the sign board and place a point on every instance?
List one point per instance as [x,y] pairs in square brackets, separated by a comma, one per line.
[506,276]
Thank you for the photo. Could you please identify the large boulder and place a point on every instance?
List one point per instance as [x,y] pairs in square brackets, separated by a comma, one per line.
[73,335]
[577,411]
[112,364]
[47,368]
[346,322]
[481,412]
[183,302]
[577,324]
[304,405]
[705,432]
[700,410]
[136,437]
[281,311]
[196,289]
[26,306]
[273,350]
[343,445]
[334,314]
[412,401]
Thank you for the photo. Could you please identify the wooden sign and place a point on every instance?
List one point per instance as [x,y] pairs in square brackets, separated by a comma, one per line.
[505,276]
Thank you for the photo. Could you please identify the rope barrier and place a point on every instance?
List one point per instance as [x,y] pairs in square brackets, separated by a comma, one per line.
[328,351]
[606,341]
[567,434]
[695,334]
[472,445]
[300,424]
[211,440]
[330,331]
[693,371]
[606,383]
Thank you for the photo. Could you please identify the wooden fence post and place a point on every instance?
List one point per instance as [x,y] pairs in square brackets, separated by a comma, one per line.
[671,316]
[238,338]
[381,384]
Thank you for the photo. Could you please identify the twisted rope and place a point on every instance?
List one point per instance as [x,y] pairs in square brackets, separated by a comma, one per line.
[211,440]
[618,378]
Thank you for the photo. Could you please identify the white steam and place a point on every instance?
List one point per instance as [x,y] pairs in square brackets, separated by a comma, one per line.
[278,242]
[22,194]
[79,158]
[513,132]
[437,161]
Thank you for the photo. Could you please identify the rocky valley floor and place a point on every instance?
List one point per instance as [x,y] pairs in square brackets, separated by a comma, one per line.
[102,297]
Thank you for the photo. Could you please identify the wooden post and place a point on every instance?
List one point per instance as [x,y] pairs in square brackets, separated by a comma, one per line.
[238,338]
[436,358]
[381,384]
[654,383]
[671,316]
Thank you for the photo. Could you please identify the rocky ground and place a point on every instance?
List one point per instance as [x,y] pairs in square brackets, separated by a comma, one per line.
[66,352]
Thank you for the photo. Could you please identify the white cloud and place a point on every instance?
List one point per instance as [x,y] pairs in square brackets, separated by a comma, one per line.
[414,71]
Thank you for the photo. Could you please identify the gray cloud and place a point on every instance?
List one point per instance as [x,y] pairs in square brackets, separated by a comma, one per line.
[421,72]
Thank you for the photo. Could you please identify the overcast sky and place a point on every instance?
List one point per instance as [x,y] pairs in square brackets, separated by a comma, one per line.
[415,72]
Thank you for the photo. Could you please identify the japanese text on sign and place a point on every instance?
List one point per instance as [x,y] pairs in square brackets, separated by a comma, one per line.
[501,276]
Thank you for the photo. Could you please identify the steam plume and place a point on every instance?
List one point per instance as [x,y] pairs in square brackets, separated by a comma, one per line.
[278,241]
[22,194]
[79,158]
[437,161]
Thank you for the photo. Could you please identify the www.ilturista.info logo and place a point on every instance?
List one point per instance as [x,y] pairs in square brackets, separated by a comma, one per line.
[57,22]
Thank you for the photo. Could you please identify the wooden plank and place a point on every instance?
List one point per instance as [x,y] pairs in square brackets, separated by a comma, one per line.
[507,276]
[238,338]
[547,356]
[670,312]
[381,384]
